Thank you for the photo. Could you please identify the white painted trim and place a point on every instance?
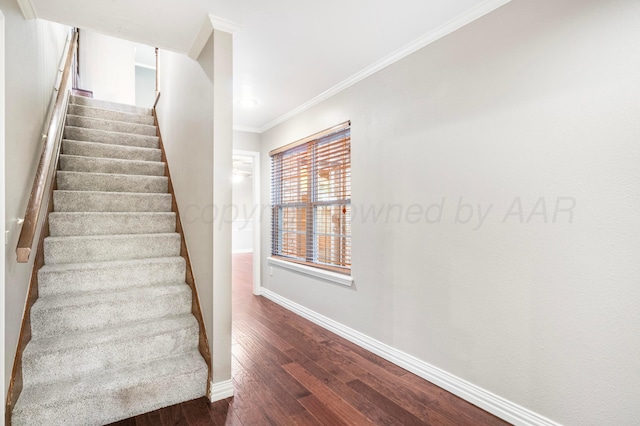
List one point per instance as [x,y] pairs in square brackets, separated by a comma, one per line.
[246,129]
[28,9]
[476,395]
[257,217]
[242,251]
[221,390]
[323,274]
[443,30]
[225,25]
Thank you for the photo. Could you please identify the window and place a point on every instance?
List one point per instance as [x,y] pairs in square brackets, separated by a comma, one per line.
[311,200]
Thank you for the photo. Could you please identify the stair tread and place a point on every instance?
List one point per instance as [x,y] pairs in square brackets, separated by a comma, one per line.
[112,380]
[105,297]
[112,106]
[110,146]
[111,175]
[112,237]
[91,122]
[111,160]
[111,182]
[107,201]
[125,331]
[109,137]
[83,266]
[123,114]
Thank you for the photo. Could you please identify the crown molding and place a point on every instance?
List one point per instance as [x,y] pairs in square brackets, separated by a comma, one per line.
[210,23]
[432,36]
[221,24]
[28,9]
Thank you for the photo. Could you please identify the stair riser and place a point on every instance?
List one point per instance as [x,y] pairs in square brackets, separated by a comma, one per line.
[111,126]
[100,150]
[73,362]
[97,103]
[69,224]
[98,249]
[90,316]
[75,181]
[74,201]
[105,114]
[111,278]
[115,166]
[113,138]
[119,404]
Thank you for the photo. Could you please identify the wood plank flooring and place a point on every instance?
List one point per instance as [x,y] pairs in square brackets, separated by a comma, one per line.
[289,371]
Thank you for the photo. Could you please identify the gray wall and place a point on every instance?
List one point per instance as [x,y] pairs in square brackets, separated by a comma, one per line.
[145,86]
[32,53]
[194,114]
[186,124]
[107,67]
[527,111]
[246,141]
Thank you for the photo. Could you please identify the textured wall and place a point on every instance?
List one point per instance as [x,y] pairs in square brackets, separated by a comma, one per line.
[502,161]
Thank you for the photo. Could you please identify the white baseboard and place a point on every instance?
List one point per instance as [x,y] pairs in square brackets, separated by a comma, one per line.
[221,390]
[476,395]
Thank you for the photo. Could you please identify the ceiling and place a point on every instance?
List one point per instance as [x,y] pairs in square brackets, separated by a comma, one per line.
[288,54]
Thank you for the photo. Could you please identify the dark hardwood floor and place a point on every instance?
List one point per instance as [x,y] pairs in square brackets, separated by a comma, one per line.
[289,371]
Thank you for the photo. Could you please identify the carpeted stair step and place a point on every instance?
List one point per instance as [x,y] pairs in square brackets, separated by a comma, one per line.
[99,201]
[102,248]
[103,150]
[78,181]
[64,357]
[114,394]
[113,106]
[110,126]
[114,275]
[70,313]
[63,224]
[74,163]
[106,114]
[113,138]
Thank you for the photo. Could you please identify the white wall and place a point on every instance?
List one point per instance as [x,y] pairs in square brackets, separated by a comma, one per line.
[32,53]
[194,116]
[537,100]
[107,67]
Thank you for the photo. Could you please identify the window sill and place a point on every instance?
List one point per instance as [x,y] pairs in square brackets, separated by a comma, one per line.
[334,277]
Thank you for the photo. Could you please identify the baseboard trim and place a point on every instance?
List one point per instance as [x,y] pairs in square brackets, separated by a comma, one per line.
[476,395]
[221,390]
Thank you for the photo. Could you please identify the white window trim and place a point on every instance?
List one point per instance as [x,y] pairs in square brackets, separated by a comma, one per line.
[323,274]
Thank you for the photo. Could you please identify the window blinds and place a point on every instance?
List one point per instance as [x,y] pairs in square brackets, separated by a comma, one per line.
[311,200]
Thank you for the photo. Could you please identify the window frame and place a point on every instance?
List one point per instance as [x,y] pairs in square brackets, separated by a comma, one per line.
[309,241]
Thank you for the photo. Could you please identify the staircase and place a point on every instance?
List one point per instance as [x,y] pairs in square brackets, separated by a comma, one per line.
[112,331]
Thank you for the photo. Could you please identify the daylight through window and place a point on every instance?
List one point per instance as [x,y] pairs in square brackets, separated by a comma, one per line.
[311,200]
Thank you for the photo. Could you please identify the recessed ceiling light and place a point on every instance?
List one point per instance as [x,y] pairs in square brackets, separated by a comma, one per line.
[247,102]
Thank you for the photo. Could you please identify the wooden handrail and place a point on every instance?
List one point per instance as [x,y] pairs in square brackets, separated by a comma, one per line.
[47,160]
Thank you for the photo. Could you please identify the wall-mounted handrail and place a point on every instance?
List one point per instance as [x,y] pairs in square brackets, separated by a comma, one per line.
[48,157]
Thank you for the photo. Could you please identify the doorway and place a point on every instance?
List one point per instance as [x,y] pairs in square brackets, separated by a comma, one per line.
[246,214]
